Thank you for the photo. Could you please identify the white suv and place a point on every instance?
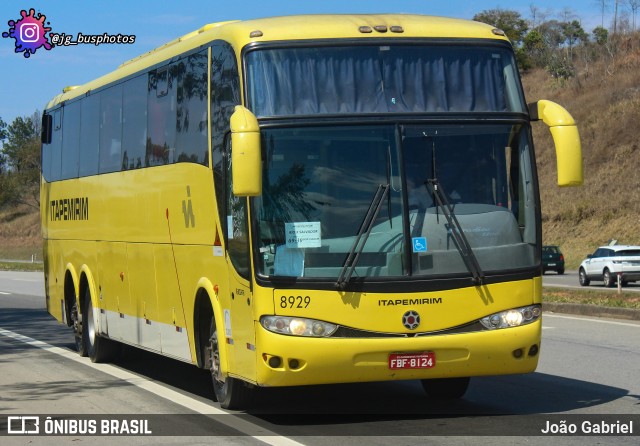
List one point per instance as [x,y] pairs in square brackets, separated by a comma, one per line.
[610,261]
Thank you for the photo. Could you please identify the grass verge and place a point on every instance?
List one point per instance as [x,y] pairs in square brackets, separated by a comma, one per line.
[610,298]
[21,266]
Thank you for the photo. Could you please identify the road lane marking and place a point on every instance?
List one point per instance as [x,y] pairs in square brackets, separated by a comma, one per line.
[264,435]
[599,321]
[5,293]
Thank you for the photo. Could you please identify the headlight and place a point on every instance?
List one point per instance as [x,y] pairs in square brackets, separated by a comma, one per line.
[298,326]
[512,318]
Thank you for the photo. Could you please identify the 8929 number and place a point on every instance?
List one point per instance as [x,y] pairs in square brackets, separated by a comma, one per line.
[294,301]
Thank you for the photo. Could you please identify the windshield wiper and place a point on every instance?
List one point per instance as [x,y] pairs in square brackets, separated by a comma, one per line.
[459,239]
[361,237]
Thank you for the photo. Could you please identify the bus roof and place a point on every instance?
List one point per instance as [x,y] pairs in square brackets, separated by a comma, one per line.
[300,27]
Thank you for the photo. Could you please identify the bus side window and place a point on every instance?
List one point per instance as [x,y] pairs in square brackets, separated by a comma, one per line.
[111,130]
[191,124]
[161,119]
[71,140]
[89,135]
[55,148]
[237,226]
[134,123]
[225,95]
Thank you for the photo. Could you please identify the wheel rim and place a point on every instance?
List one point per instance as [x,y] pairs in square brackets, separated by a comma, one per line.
[75,320]
[219,383]
[91,326]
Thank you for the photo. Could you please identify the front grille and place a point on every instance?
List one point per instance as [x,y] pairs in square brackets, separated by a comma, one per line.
[347,332]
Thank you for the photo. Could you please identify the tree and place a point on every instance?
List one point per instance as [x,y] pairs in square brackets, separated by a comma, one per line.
[601,35]
[3,136]
[634,5]
[573,33]
[514,26]
[604,4]
[20,181]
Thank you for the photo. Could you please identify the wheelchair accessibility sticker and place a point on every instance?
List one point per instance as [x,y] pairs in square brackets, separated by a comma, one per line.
[419,244]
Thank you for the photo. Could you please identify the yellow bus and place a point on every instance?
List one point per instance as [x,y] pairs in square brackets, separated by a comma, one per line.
[305,200]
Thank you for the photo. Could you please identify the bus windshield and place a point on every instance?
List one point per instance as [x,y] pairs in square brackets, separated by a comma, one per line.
[319,183]
[418,78]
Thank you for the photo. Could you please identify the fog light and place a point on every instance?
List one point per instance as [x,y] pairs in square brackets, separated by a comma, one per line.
[275,362]
[518,353]
[294,364]
[533,350]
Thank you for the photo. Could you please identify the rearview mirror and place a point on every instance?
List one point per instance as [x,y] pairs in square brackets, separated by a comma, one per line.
[565,138]
[246,159]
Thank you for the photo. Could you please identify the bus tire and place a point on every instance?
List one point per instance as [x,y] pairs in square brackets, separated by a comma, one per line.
[446,388]
[231,393]
[76,323]
[99,349]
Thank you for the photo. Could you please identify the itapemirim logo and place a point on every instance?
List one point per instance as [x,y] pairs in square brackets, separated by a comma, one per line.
[30,33]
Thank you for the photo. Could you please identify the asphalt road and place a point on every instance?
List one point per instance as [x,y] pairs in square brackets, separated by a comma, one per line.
[587,373]
[570,280]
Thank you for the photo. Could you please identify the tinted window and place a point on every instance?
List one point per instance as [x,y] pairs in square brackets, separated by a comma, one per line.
[89,135]
[48,149]
[111,130]
[628,253]
[55,148]
[225,95]
[383,79]
[161,117]
[71,140]
[134,123]
[191,124]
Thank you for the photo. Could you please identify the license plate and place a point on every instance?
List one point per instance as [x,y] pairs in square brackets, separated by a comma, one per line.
[404,361]
[552,264]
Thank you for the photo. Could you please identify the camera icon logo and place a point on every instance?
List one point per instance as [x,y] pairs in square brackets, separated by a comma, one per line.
[29,32]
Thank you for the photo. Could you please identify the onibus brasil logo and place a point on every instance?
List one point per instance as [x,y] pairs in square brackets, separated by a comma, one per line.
[30,33]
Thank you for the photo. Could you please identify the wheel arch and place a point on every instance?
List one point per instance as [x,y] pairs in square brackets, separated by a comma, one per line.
[206,305]
[70,292]
[87,283]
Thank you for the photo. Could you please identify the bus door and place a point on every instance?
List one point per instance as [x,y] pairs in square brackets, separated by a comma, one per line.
[239,323]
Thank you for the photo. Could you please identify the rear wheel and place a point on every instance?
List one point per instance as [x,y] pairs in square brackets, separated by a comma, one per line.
[446,388]
[76,321]
[98,348]
[608,278]
[582,277]
[231,393]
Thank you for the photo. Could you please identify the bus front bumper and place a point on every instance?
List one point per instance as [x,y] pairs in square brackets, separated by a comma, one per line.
[293,361]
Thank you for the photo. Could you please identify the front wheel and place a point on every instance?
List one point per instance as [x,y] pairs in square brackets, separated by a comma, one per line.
[231,393]
[446,388]
[582,277]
